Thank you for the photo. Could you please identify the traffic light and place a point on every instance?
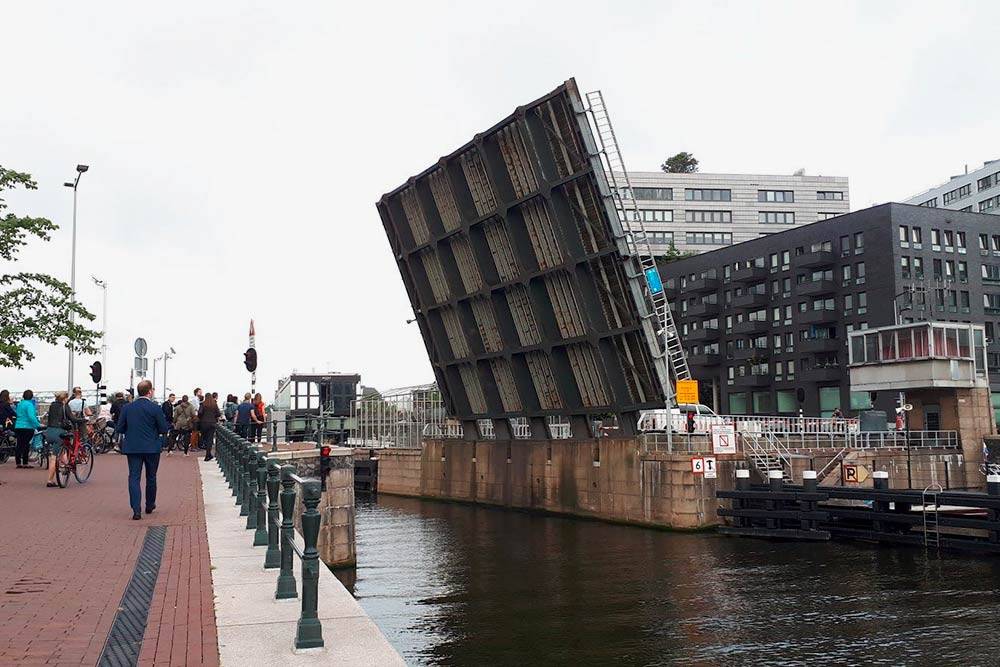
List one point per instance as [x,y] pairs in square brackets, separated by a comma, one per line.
[690,422]
[250,359]
[95,372]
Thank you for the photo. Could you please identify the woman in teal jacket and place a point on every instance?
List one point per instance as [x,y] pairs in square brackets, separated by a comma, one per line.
[24,427]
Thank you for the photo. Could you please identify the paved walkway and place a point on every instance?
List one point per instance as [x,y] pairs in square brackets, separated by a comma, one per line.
[66,556]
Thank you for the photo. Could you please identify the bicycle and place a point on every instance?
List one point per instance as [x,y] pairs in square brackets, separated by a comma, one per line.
[8,445]
[77,457]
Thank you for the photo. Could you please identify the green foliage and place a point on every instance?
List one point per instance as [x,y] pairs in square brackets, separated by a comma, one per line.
[33,305]
[672,255]
[682,163]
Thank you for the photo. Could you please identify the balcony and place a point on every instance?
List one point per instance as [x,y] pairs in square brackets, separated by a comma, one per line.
[751,327]
[752,380]
[816,258]
[816,288]
[747,353]
[702,335]
[704,359]
[818,316]
[748,274]
[751,301]
[819,345]
[702,309]
[703,285]
[825,374]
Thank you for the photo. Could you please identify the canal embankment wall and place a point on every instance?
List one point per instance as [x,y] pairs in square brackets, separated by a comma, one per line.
[614,479]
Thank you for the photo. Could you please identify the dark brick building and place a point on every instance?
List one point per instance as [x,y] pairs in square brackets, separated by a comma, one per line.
[765,322]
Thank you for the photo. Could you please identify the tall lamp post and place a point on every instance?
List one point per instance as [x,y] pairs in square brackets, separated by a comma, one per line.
[80,169]
[166,355]
[104,324]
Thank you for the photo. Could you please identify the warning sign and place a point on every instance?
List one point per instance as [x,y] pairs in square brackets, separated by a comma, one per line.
[855,474]
[687,392]
[723,439]
[698,465]
[711,471]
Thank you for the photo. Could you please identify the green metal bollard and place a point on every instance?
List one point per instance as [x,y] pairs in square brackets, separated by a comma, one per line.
[260,534]
[286,578]
[272,558]
[310,630]
[251,492]
[241,487]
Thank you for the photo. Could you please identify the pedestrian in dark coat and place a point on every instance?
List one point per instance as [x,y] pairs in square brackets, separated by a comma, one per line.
[142,424]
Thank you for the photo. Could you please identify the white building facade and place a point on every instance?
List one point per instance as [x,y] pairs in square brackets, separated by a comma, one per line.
[977,191]
[700,212]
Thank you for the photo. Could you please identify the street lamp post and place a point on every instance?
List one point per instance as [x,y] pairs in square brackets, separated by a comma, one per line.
[166,355]
[80,169]
[104,324]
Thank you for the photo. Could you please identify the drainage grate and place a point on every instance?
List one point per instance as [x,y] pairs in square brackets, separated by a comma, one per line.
[125,639]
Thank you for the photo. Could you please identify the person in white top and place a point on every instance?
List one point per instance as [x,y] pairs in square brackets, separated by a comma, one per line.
[196,399]
[78,405]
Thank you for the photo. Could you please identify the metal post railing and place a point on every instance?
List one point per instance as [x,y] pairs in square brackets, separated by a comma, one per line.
[286,579]
[273,557]
[260,532]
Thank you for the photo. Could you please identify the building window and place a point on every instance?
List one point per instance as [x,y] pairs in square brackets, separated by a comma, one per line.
[660,238]
[762,402]
[776,217]
[949,240]
[904,267]
[918,268]
[991,273]
[845,274]
[991,304]
[917,238]
[935,239]
[738,402]
[848,303]
[821,246]
[964,301]
[829,400]
[828,195]
[775,196]
[708,238]
[708,216]
[785,402]
[938,271]
[958,193]
[904,236]
[988,182]
[859,243]
[930,203]
[655,194]
[966,209]
[692,194]
[827,216]
[960,242]
[649,215]
[862,303]
[989,204]
[859,273]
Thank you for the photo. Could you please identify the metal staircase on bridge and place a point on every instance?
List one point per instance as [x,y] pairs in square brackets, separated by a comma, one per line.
[637,241]
[767,453]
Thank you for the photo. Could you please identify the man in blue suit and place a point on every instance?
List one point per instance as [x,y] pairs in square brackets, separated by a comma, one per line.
[142,423]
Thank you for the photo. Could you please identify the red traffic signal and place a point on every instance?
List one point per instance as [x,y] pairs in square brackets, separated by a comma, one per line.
[250,359]
[690,422]
[95,372]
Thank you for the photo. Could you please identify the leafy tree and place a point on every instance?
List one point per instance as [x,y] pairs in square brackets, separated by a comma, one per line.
[672,254]
[682,163]
[33,305]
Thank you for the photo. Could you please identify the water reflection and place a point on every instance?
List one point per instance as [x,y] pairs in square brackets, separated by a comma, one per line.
[454,584]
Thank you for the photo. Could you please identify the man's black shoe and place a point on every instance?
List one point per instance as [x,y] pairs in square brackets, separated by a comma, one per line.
[136,516]
[149,510]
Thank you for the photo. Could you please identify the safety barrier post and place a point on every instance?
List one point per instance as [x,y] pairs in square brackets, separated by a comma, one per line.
[260,534]
[251,492]
[310,630]
[273,557]
[286,577]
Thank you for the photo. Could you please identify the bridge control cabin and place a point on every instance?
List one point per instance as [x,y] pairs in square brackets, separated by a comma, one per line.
[302,398]
[938,370]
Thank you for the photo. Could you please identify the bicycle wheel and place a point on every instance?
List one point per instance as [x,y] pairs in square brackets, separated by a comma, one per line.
[84,464]
[62,473]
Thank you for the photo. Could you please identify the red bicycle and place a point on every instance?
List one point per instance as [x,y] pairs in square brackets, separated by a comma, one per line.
[76,457]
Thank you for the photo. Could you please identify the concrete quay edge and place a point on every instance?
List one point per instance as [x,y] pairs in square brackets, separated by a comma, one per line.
[256,629]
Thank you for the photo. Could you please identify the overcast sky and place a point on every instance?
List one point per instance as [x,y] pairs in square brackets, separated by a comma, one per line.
[237,149]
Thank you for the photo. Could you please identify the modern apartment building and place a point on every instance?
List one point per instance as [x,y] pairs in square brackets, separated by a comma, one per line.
[765,322]
[978,192]
[700,212]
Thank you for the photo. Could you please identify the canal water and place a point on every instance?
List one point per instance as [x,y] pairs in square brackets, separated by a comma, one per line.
[454,584]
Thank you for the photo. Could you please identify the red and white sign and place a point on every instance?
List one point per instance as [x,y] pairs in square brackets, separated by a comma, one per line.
[723,439]
[698,465]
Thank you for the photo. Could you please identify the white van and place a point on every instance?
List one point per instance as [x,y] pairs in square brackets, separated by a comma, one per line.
[676,418]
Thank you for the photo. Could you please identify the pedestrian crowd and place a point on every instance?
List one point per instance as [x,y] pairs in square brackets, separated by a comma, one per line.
[143,428]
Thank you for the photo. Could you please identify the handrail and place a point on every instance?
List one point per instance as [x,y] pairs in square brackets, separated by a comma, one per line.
[255,481]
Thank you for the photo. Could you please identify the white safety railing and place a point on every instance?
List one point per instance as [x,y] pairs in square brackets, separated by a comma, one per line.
[656,420]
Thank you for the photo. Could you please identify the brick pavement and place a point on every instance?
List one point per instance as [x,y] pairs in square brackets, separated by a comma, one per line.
[66,556]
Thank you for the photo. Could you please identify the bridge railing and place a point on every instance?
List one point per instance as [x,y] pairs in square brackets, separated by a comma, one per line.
[255,483]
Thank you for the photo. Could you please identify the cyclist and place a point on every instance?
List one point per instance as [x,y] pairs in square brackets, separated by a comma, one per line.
[60,425]
[7,414]
[24,427]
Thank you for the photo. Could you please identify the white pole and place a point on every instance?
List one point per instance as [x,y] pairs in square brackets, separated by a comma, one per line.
[72,286]
[104,335]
